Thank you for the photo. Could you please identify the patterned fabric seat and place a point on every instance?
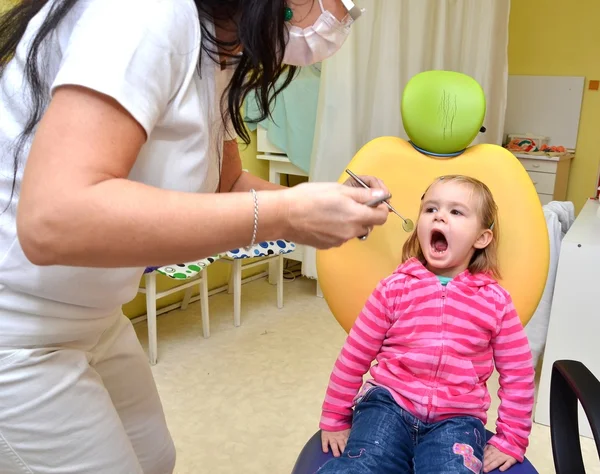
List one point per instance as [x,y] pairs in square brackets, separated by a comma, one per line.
[195,273]
[187,275]
[185,271]
[264,251]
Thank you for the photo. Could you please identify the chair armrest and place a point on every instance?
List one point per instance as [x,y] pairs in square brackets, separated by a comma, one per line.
[572,381]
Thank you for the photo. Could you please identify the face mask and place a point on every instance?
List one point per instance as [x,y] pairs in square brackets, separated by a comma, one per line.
[321,40]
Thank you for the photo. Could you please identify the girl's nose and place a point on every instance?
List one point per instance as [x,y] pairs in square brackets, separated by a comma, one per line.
[439,216]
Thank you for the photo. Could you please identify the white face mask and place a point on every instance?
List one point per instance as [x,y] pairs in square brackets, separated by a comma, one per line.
[321,40]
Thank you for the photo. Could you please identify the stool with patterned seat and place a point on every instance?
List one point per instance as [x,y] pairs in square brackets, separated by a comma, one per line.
[265,251]
[189,275]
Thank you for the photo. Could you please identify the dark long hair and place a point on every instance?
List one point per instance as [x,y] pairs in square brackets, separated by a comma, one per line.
[260,31]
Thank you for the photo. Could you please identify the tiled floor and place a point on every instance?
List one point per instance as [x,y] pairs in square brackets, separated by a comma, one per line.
[246,400]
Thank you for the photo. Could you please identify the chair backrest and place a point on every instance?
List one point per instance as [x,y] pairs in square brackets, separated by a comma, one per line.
[349,274]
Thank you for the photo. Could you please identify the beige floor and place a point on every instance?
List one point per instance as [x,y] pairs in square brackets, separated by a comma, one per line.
[247,399]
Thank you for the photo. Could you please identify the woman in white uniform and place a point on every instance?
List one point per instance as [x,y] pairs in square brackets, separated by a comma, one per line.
[117,152]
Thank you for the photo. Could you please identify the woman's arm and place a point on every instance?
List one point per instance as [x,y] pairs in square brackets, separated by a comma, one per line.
[234,179]
[77,206]
[248,181]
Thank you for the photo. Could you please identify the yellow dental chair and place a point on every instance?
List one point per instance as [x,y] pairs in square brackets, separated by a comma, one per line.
[442,113]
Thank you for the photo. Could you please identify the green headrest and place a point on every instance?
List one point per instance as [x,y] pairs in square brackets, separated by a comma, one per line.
[442,111]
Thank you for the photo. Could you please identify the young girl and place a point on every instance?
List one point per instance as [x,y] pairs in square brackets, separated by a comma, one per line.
[435,327]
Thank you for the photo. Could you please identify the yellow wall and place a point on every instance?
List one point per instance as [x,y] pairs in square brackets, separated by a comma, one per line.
[561,38]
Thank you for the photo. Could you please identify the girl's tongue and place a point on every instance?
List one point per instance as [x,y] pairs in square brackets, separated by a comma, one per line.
[439,242]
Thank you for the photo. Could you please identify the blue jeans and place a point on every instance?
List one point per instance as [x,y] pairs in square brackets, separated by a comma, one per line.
[387,439]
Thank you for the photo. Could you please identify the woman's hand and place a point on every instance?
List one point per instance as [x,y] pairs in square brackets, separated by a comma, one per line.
[325,215]
[336,439]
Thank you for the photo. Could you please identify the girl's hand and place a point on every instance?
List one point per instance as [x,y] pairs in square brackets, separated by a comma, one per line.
[336,439]
[325,215]
[494,458]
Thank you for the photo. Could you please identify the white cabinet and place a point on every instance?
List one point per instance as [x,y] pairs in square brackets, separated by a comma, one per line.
[550,174]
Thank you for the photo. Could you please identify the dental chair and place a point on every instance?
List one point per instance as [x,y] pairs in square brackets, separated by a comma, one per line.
[442,113]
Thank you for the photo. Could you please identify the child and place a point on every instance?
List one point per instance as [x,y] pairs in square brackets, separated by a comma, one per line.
[435,327]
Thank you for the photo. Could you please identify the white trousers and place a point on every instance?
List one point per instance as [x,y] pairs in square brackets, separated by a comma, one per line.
[83,407]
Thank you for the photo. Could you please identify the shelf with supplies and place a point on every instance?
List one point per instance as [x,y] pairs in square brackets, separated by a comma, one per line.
[545,111]
[549,173]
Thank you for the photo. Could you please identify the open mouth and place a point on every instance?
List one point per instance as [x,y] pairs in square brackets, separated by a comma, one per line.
[439,244]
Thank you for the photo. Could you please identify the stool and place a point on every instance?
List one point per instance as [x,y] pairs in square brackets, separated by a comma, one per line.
[265,251]
[189,274]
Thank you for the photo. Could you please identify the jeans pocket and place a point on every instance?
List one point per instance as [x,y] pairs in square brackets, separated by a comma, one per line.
[367,394]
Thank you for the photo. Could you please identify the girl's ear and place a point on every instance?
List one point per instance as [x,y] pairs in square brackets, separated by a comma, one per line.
[484,239]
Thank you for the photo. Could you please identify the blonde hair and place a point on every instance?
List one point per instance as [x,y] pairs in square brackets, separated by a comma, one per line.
[484,260]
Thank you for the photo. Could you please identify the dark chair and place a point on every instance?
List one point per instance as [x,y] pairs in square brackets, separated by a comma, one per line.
[571,382]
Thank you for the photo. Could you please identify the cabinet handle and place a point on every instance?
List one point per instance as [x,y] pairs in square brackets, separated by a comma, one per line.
[534,183]
[536,165]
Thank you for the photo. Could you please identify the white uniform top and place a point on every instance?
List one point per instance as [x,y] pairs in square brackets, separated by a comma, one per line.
[144,54]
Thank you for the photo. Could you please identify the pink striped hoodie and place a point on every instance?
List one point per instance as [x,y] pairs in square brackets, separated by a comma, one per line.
[435,348]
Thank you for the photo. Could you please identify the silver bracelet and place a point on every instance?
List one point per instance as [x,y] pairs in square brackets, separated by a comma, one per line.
[255,219]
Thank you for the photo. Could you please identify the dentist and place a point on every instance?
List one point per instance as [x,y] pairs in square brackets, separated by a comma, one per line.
[118,126]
